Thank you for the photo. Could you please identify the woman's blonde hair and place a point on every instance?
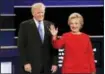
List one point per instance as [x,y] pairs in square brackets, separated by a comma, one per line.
[37,5]
[78,16]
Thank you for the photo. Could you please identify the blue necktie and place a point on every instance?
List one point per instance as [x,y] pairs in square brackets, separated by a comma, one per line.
[41,31]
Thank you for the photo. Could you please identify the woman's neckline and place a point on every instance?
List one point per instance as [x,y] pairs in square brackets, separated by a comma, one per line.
[76,33]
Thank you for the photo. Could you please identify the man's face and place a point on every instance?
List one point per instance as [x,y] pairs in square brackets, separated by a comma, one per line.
[38,14]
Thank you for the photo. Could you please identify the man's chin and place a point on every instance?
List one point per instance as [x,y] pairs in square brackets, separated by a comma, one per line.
[41,19]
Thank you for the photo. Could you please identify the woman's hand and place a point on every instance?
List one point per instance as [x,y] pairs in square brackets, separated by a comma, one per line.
[53,30]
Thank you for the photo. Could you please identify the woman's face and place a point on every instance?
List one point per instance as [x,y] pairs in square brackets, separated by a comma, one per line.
[75,25]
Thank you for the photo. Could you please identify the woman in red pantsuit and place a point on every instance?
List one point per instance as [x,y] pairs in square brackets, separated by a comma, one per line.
[79,57]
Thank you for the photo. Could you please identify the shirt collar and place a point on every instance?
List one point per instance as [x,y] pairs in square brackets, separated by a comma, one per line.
[37,22]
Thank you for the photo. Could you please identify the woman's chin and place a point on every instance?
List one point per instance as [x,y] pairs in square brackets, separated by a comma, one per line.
[74,31]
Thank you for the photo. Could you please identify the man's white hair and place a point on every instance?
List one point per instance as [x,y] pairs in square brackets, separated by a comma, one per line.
[37,5]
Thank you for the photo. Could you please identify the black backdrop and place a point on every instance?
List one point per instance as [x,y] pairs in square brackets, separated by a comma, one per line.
[93,18]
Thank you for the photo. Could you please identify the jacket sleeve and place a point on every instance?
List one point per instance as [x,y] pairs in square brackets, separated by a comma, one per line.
[58,43]
[55,57]
[91,56]
[22,44]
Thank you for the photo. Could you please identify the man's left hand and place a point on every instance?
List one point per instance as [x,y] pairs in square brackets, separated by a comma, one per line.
[54,68]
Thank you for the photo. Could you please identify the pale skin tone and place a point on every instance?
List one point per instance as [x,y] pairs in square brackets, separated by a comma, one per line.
[38,14]
[74,25]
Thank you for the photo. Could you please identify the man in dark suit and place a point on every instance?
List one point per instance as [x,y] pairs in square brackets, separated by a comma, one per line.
[34,42]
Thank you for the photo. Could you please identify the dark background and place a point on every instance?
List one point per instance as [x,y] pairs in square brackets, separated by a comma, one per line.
[93,18]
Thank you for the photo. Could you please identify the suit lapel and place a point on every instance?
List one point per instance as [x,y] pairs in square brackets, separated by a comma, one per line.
[45,30]
[36,30]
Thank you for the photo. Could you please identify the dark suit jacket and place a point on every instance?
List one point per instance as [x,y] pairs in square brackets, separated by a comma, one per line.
[32,50]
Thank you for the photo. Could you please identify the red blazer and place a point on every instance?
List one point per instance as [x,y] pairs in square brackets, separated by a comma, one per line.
[79,57]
